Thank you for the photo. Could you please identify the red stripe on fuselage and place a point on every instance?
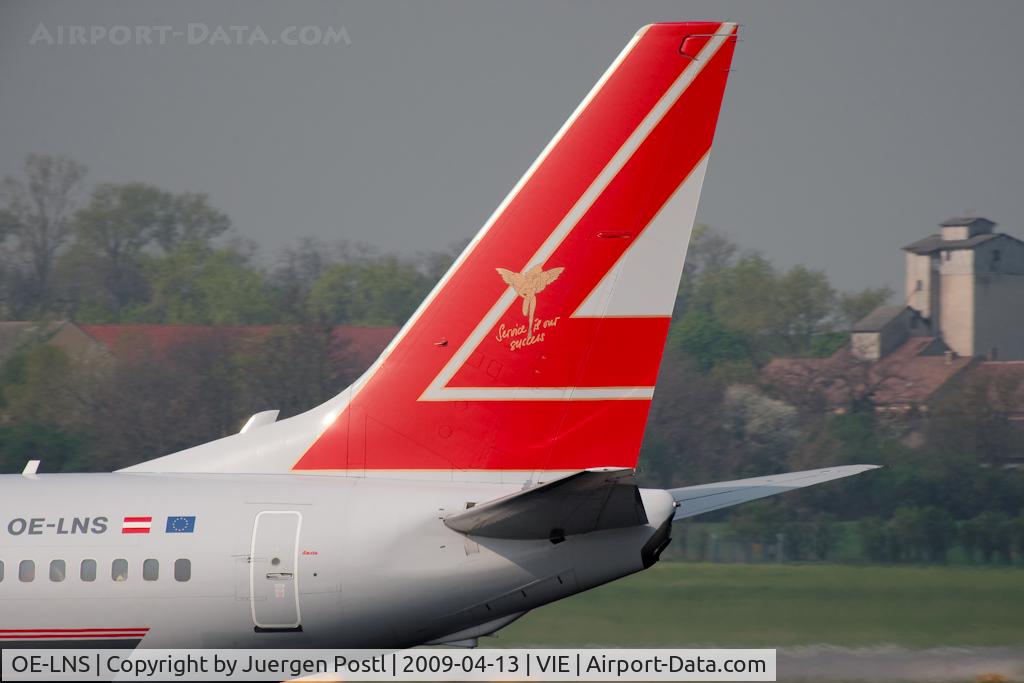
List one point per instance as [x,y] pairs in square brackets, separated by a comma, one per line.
[78,636]
[68,633]
[70,630]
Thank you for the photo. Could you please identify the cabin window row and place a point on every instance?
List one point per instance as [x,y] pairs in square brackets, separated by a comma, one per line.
[88,570]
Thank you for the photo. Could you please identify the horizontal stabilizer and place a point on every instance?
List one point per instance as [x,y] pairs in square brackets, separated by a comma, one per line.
[696,500]
[590,500]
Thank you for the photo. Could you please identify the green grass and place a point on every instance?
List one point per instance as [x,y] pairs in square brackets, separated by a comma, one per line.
[732,605]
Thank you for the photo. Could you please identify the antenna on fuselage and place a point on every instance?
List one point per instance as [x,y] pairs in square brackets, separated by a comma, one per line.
[31,467]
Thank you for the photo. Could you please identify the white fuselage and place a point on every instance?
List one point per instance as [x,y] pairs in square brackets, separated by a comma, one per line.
[332,562]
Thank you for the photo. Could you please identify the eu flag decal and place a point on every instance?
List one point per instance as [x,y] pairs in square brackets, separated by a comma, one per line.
[181,525]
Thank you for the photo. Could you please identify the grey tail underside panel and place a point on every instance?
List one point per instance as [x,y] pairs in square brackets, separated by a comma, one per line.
[590,500]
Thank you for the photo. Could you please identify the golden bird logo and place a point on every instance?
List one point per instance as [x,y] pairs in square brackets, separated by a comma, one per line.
[528,284]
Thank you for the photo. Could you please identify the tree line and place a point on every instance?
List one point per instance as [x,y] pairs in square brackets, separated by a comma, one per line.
[135,253]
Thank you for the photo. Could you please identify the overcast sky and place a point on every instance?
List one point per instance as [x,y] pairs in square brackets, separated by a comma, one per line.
[849,128]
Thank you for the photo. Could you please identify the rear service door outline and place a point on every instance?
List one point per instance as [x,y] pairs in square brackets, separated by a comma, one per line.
[273,570]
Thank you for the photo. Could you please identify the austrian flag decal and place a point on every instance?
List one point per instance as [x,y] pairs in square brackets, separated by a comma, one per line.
[136,525]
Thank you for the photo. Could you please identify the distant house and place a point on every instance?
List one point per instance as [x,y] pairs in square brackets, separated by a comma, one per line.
[15,334]
[67,336]
[963,319]
[886,329]
[910,376]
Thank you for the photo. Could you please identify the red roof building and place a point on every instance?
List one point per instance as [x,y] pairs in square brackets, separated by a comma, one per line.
[362,345]
[909,376]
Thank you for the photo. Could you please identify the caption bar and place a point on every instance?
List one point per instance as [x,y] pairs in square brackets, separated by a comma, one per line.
[376,665]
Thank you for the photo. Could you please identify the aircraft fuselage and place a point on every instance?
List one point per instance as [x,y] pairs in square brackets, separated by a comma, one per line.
[216,561]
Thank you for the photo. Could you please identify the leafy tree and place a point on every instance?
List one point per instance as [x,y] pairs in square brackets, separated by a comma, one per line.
[774,312]
[736,295]
[197,284]
[39,406]
[57,449]
[111,233]
[763,429]
[989,534]
[852,306]
[875,540]
[742,297]
[708,341]
[37,213]
[825,344]
[684,439]
[825,534]
[114,231]
[709,252]
[757,524]
[192,221]
[1016,529]
[38,384]
[797,540]
[297,270]
[805,305]
[435,264]
[382,291]
[921,534]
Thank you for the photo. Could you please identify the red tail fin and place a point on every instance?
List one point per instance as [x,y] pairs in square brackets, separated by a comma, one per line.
[539,349]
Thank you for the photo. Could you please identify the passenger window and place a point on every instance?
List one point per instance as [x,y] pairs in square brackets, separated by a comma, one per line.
[88,570]
[150,570]
[182,570]
[1,570]
[58,570]
[27,571]
[119,570]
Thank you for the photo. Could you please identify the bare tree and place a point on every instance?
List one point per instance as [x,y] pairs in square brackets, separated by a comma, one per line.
[36,212]
[294,368]
[150,401]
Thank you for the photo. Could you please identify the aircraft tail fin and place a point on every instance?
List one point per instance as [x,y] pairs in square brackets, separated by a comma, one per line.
[537,352]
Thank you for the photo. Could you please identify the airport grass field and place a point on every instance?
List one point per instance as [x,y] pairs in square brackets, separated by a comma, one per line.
[758,605]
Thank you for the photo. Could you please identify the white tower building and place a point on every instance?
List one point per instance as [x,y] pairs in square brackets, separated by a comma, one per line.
[968,283]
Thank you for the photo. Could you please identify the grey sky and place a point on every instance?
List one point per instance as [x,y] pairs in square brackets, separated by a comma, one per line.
[849,128]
